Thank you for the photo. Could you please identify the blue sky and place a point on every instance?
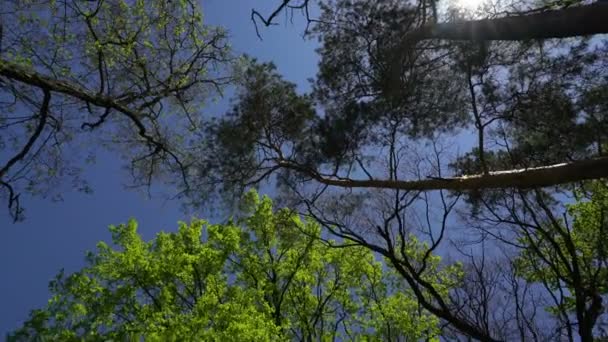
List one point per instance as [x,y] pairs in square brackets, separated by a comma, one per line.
[56,235]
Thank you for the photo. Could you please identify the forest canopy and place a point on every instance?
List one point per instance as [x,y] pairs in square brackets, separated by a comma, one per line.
[445,176]
[264,276]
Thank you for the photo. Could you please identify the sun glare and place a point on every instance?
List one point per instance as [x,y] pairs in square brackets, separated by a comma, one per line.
[468,5]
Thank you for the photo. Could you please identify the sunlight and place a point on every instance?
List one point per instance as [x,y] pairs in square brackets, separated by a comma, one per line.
[469,5]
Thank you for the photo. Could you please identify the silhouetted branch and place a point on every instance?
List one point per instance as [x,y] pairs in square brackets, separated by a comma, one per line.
[15,72]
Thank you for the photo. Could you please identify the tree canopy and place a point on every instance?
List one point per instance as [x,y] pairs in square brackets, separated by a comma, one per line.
[554,19]
[89,73]
[368,73]
[268,275]
[264,276]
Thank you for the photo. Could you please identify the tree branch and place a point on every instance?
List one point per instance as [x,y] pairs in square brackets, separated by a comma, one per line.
[15,72]
[522,178]
[33,78]
[562,23]
[13,199]
[44,114]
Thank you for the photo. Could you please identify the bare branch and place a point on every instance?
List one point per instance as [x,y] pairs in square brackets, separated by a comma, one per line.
[43,116]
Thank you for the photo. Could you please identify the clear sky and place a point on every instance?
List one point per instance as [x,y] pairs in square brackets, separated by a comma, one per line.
[56,235]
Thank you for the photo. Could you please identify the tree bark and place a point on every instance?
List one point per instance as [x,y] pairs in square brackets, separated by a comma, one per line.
[562,23]
[522,178]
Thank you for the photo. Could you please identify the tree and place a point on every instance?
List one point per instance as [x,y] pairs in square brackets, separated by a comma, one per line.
[70,69]
[555,251]
[370,153]
[391,48]
[553,20]
[267,275]
[561,252]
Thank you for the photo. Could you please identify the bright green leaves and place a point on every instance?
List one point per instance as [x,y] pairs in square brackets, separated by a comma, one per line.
[267,276]
[311,288]
[171,288]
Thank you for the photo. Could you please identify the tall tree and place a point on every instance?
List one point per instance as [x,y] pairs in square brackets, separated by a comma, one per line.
[404,38]
[265,276]
[120,69]
[385,60]
[369,154]
[557,249]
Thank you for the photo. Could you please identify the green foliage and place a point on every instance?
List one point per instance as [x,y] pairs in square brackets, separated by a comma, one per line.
[571,257]
[265,276]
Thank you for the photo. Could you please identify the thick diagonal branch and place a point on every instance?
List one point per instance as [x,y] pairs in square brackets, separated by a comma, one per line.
[521,178]
[12,71]
[562,23]
[15,72]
